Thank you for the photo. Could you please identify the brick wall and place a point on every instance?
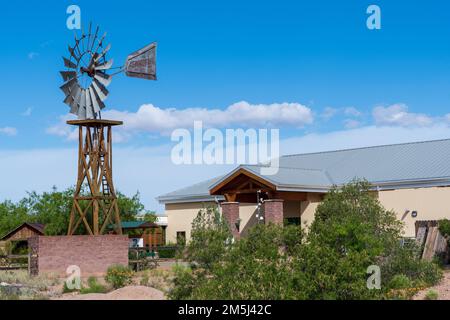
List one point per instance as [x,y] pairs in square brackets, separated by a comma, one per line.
[273,211]
[93,254]
[230,212]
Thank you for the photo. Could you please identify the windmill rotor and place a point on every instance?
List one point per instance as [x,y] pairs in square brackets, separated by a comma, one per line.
[87,76]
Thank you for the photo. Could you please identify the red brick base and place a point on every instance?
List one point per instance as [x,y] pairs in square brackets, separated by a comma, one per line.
[93,254]
[273,211]
[230,212]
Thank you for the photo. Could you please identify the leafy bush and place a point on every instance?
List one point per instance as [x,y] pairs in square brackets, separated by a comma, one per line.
[167,252]
[400,281]
[93,287]
[444,227]
[431,295]
[351,232]
[119,276]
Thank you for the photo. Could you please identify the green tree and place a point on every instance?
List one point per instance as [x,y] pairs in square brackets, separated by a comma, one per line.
[53,209]
[351,232]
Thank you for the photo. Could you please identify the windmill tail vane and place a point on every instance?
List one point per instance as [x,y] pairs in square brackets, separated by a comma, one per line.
[86,77]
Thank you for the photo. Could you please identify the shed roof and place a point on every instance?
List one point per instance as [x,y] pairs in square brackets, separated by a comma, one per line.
[37,227]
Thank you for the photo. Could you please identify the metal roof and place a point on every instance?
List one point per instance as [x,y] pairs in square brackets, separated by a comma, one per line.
[195,193]
[393,166]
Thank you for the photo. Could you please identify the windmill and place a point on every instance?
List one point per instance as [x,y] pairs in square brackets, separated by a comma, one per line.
[86,78]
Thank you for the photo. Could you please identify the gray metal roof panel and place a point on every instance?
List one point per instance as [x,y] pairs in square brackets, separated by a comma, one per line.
[408,162]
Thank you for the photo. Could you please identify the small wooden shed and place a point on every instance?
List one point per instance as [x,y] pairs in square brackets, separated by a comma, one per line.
[24,231]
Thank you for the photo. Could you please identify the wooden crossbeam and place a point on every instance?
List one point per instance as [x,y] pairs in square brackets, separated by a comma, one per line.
[95,169]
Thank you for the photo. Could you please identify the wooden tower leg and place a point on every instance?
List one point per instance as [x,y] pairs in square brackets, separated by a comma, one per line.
[97,206]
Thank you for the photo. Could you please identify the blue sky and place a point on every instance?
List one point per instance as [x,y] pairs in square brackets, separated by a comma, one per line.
[358,86]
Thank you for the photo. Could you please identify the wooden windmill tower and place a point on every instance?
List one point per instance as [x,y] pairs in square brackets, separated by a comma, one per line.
[86,79]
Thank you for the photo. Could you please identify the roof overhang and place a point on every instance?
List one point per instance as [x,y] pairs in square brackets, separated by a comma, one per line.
[216,188]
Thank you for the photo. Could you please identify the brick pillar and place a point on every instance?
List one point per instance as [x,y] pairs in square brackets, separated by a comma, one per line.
[230,212]
[33,265]
[273,211]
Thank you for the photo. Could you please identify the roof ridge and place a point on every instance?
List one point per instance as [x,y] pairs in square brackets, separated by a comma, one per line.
[368,147]
[283,167]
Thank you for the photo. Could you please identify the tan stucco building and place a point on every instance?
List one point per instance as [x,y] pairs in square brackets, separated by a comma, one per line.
[412,179]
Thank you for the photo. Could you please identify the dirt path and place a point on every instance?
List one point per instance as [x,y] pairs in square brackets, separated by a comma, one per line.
[443,289]
[126,293]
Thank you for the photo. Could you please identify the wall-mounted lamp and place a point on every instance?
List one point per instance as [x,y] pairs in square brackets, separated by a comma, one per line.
[238,223]
[414,214]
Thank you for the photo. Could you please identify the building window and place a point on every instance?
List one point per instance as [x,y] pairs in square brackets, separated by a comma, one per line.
[181,237]
[292,221]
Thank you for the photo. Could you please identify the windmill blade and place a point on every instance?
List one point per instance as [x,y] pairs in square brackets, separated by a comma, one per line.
[103,78]
[69,64]
[82,106]
[108,47]
[99,42]
[97,104]
[67,75]
[89,108]
[95,37]
[75,104]
[105,66]
[73,54]
[100,90]
[142,63]
[89,35]
[67,87]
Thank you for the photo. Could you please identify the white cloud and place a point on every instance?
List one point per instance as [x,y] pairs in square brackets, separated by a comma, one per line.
[362,137]
[328,113]
[32,55]
[398,115]
[152,119]
[352,111]
[9,131]
[27,112]
[351,123]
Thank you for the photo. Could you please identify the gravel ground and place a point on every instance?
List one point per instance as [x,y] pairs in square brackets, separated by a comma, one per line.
[443,289]
[126,293]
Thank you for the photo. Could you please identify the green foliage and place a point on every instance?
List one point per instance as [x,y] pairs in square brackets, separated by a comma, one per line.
[66,289]
[351,232]
[431,295]
[53,209]
[167,252]
[93,287]
[400,281]
[209,235]
[119,276]
[444,227]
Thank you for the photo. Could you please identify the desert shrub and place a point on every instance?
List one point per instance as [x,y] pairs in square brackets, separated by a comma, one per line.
[209,237]
[351,232]
[444,227]
[431,295]
[400,281]
[93,287]
[119,276]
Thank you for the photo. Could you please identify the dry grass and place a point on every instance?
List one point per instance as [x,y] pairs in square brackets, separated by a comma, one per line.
[155,278]
[28,288]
